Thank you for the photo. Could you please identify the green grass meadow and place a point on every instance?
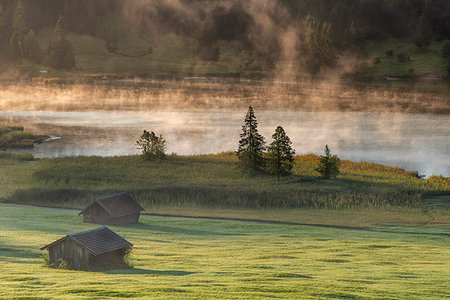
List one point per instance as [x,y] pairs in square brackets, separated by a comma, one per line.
[423,61]
[172,55]
[194,258]
[210,181]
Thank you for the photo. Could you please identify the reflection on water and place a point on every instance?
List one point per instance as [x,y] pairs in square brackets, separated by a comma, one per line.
[413,141]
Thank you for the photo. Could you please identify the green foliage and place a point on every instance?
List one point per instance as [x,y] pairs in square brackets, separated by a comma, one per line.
[422,62]
[63,265]
[5,129]
[60,50]
[251,144]
[15,136]
[46,259]
[317,44]
[31,48]
[329,164]
[110,29]
[19,29]
[435,180]
[152,146]
[423,36]
[127,259]
[17,157]
[280,155]
[209,181]
[445,50]
[60,264]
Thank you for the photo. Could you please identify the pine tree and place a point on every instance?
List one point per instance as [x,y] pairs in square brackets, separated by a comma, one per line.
[423,36]
[4,31]
[317,44]
[251,145]
[19,30]
[60,50]
[280,155]
[329,164]
[152,146]
[31,47]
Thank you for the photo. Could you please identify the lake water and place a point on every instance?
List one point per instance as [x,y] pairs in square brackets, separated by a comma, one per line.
[109,124]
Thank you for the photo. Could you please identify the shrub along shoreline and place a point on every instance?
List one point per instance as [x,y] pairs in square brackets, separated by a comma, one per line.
[211,180]
[16,137]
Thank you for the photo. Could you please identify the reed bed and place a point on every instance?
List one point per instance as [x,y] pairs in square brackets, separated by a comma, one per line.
[15,136]
[211,181]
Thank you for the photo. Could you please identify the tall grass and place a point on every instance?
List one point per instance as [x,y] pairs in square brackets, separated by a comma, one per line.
[15,135]
[214,181]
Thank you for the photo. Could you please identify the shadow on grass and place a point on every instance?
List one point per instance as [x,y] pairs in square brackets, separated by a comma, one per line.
[138,271]
[19,251]
[181,230]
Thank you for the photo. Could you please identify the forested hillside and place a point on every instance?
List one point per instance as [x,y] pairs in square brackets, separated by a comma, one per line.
[364,39]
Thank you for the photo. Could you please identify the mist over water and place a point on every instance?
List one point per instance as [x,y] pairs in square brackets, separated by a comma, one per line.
[197,119]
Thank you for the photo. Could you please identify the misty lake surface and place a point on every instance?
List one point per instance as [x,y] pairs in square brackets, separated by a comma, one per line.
[412,141]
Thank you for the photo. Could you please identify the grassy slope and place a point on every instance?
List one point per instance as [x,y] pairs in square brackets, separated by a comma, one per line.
[208,181]
[214,259]
[427,61]
[177,55]
[171,54]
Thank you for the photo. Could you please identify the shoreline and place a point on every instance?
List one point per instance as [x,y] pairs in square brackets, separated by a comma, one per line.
[84,78]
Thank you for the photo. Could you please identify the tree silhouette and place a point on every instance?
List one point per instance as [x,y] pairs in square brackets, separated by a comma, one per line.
[19,30]
[251,145]
[152,146]
[31,48]
[280,155]
[329,164]
[60,50]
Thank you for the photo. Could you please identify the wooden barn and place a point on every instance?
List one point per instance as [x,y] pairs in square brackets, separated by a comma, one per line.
[118,209]
[87,249]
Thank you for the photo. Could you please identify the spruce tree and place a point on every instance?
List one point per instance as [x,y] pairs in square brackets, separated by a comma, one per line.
[32,49]
[280,155]
[4,31]
[423,36]
[329,164]
[60,50]
[251,145]
[19,30]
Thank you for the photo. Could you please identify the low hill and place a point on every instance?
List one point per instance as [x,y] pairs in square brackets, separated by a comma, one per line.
[173,55]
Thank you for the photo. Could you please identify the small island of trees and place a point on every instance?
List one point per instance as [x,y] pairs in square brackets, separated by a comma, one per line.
[279,158]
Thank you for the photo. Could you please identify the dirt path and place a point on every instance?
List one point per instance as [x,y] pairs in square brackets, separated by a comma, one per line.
[367,229]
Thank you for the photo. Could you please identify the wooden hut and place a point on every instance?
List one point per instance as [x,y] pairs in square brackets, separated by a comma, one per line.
[118,209]
[88,249]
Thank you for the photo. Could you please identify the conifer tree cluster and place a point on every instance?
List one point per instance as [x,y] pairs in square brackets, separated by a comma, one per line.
[279,158]
[60,50]
[23,43]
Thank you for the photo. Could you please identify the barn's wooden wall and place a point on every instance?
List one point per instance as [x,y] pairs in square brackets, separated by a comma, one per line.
[108,258]
[71,252]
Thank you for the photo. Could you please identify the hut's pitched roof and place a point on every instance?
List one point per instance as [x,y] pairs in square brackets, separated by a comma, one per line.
[97,241]
[116,205]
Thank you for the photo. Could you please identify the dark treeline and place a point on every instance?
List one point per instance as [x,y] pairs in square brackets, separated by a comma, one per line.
[322,28]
